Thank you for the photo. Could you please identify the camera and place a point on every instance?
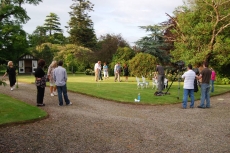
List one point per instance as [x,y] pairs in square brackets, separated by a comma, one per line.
[180,65]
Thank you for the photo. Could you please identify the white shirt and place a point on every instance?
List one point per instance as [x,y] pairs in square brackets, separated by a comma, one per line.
[189,78]
[96,67]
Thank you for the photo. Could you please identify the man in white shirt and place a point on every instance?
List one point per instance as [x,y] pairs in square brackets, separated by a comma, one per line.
[117,70]
[189,77]
[97,70]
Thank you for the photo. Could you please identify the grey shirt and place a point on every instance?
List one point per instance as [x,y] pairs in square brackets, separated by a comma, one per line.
[160,70]
[60,76]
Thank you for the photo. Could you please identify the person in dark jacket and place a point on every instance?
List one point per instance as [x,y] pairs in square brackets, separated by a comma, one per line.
[11,71]
[196,70]
[40,81]
[126,72]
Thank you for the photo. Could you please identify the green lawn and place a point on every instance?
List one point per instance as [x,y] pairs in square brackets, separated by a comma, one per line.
[15,111]
[125,91]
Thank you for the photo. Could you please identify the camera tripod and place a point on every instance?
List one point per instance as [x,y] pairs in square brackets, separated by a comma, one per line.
[176,76]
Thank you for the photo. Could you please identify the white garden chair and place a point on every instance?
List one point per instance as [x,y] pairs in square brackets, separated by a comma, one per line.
[165,83]
[155,83]
[139,84]
[145,82]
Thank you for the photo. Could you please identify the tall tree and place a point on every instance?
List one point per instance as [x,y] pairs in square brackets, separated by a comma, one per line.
[80,25]
[50,32]
[107,46]
[202,32]
[154,43]
[52,24]
[12,36]
[38,37]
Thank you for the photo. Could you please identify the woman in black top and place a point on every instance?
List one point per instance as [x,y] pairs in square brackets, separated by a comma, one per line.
[40,81]
[11,71]
[126,72]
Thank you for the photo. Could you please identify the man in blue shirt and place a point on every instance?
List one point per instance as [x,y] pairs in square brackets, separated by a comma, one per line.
[60,78]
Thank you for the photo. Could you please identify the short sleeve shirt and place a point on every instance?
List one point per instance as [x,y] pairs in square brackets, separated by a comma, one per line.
[206,75]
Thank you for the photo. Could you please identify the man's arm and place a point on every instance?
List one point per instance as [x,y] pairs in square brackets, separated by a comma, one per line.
[199,77]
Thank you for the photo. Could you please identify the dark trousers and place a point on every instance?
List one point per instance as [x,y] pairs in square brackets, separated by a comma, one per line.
[160,80]
[12,80]
[40,95]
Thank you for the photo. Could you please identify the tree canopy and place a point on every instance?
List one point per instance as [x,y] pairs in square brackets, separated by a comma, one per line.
[80,25]
[201,32]
[13,40]
[154,43]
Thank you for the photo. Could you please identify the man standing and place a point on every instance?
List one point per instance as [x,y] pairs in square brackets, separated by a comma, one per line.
[97,70]
[117,70]
[160,77]
[205,86]
[60,78]
[189,77]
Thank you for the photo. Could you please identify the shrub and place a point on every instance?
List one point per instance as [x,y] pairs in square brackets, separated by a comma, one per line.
[89,72]
[142,64]
[223,80]
[2,82]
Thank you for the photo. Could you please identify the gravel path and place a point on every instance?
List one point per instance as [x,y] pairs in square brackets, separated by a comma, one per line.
[93,125]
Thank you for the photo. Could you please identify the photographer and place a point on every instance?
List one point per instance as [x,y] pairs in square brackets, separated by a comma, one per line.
[189,77]
[160,77]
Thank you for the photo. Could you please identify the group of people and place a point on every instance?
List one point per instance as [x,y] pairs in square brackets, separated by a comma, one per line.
[207,77]
[117,71]
[98,71]
[57,77]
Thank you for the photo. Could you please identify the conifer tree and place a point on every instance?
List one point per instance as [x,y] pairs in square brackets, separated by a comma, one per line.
[80,25]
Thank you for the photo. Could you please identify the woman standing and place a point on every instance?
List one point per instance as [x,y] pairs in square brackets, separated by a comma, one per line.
[126,72]
[40,80]
[11,71]
[53,88]
[213,78]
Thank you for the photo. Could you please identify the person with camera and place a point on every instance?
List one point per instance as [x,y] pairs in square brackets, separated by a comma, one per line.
[160,77]
[189,77]
[205,74]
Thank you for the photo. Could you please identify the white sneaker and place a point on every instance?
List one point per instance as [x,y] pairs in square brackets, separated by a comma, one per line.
[69,103]
[52,94]
[55,93]
[11,89]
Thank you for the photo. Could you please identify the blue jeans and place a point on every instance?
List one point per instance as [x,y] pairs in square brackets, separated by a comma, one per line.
[205,95]
[212,85]
[185,97]
[62,90]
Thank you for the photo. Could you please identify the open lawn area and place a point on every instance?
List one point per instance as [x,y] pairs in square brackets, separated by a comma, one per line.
[125,91]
